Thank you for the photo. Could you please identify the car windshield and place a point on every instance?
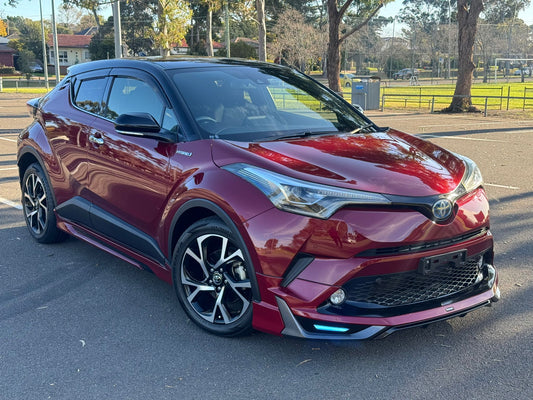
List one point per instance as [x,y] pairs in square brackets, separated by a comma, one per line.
[245,103]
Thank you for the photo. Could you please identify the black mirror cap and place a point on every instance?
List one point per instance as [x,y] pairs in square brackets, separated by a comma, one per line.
[32,106]
[136,123]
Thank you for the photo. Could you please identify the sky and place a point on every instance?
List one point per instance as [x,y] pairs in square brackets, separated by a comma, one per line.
[30,9]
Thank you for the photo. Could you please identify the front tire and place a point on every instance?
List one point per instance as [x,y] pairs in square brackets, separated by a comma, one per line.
[38,206]
[211,278]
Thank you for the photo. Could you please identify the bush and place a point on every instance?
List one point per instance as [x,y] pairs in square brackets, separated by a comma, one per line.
[7,70]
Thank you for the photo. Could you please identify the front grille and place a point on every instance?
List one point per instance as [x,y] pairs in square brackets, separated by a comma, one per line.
[411,287]
[424,246]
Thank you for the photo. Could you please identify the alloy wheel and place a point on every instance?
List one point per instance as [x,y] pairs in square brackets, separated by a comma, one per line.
[35,204]
[214,278]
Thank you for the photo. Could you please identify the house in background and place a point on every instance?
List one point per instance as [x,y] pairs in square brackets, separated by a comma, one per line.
[6,53]
[72,49]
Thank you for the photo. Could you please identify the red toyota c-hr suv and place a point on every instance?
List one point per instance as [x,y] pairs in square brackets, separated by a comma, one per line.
[265,199]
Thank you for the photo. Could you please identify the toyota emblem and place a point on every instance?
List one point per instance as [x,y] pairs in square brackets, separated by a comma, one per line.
[442,209]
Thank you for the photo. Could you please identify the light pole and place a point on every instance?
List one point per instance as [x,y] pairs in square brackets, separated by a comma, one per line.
[45,58]
[118,32]
[56,51]
[449,71]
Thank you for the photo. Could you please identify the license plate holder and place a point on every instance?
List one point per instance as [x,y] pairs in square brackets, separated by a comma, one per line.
[441,262]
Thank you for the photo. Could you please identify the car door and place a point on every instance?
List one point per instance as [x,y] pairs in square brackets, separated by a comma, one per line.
[68,116]
[128,176]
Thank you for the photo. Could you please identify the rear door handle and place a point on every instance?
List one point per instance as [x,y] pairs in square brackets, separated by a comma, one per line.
[96,140]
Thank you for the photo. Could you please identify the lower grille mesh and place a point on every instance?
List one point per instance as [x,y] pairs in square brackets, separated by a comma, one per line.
[411,287]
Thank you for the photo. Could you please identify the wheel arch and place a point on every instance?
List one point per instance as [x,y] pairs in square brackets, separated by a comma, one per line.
[28,156]
[197,209]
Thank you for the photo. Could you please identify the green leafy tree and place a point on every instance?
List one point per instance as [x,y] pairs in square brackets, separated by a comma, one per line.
[102,45]
[24,60]
[138,19]
[29,35]
[173,21]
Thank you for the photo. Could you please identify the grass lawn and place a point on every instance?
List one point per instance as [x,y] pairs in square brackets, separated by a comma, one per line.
[421,96]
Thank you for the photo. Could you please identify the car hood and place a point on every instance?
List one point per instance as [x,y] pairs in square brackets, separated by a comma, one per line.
[389,162]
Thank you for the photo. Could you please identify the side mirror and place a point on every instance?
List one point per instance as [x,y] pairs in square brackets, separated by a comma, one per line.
[143,125]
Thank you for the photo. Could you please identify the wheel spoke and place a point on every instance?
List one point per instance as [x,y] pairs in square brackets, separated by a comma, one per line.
[197,290]
[31,214]
[239,285]
[28,198]
[199,260]
[221,307]
[224,260]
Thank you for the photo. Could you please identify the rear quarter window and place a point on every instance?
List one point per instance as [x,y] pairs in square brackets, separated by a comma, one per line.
[88,94]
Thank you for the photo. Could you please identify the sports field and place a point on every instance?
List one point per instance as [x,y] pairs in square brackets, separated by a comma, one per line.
[498,96]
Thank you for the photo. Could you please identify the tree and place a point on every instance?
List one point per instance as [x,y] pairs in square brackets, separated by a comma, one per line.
[102,45]
[296,42]
[173,21]
[30,35]
[429,21]
[138,19]
[69,17]
[366,9]
[92,5]
[212,6]
[467,17]
[3,28]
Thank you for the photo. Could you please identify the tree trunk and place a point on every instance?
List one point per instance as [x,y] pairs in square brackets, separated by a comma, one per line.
[333,66]
[209,38]
[467,16]
[260,8]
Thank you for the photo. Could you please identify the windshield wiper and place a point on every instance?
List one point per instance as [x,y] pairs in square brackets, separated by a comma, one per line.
[361,128]
[304,134]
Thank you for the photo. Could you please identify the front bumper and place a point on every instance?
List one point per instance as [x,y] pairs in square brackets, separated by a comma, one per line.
[372,328]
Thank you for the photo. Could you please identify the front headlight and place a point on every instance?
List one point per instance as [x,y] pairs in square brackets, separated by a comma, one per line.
[302,197]
[472,178]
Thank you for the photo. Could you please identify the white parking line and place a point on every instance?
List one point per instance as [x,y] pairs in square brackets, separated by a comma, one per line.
[502,186]
[8,140]
[10,203]
[429,136]
[8,169]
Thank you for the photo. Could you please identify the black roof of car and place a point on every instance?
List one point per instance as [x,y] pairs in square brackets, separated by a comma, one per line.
[159,63]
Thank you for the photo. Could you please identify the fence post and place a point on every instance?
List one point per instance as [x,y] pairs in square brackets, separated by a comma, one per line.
[523,104]
[508,95]
[1,84]
[432,104]
[16,86]
[486,100]
[383,102]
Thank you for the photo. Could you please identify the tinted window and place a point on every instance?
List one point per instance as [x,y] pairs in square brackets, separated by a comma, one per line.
[246,103]
[89,94]
[133,95]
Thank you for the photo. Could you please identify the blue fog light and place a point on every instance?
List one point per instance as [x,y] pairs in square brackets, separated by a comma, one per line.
[326,328]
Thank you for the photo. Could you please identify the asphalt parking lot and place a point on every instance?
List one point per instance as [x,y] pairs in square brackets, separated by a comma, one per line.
[77,323]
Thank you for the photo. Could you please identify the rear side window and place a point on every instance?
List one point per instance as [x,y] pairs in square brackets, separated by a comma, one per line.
[88,94]
[129,95]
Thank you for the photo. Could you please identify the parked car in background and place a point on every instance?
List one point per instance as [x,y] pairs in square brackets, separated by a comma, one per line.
[406,73]
[263,197]
[347,80]
[524,71]
[36,67]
